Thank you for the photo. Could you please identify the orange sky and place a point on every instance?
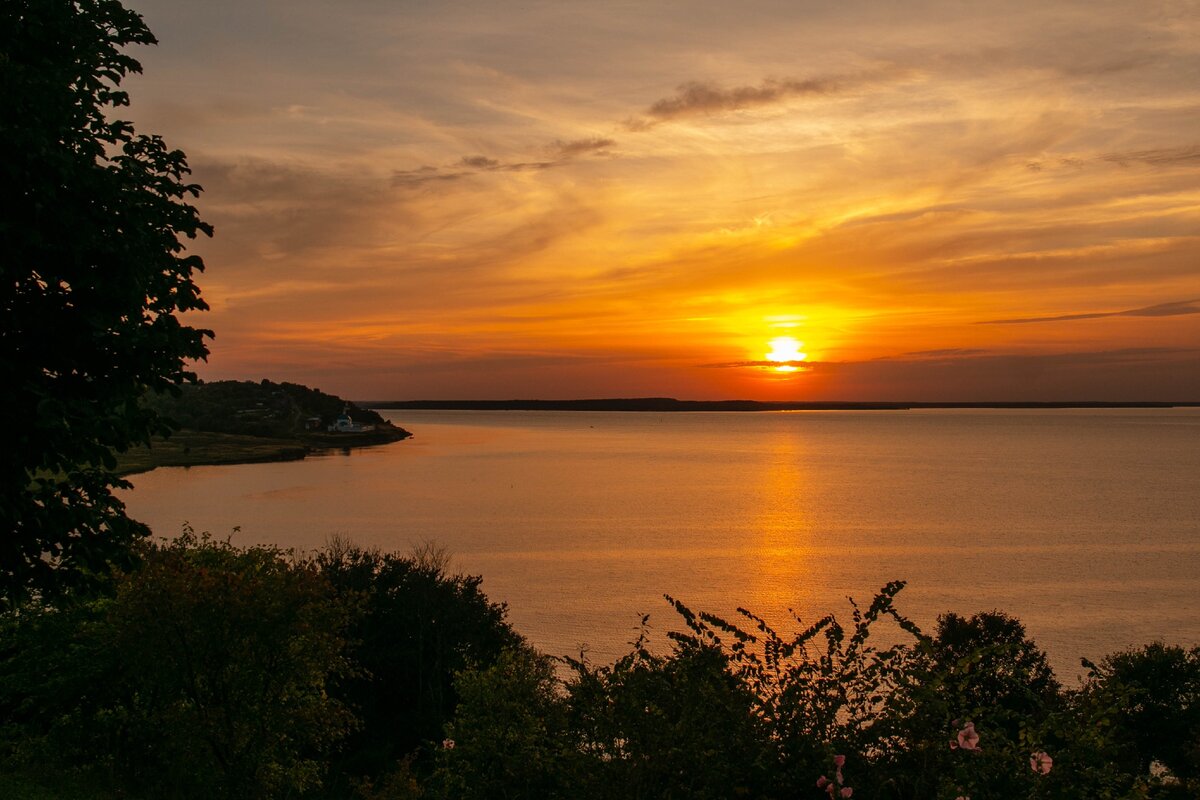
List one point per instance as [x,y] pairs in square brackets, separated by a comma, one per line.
[941,200]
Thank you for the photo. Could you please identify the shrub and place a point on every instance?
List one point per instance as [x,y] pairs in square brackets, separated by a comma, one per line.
[509,738]
[204,677]
[683,727]
[1152,700]
[416,626]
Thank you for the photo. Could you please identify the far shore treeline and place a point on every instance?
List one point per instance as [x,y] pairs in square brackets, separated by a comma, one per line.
[666,404]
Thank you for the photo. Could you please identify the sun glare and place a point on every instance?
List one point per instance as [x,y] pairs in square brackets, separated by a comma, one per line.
[786,351]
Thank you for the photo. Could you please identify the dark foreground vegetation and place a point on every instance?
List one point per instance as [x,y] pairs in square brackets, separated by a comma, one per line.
[215,671]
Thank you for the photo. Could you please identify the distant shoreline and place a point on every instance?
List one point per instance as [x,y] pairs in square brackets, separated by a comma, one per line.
[669,404]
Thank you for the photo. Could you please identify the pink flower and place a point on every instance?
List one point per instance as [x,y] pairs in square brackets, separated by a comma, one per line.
[831,786]
[1041,763]
[448,744]
[968,739]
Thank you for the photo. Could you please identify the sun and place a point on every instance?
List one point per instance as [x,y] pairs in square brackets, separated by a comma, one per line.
[786,352]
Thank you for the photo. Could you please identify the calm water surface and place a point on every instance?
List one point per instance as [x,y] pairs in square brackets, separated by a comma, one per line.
[1085,524]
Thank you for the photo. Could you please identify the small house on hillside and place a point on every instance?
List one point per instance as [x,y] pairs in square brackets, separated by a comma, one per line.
[344,424]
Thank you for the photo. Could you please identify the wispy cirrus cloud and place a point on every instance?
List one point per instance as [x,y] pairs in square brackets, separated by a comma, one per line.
[696,97]
[1173,309]
[945,352]
[1186,156]
[426,174]
[700,98]
[479,162]
[595,145]
[558,154]
[1158,157]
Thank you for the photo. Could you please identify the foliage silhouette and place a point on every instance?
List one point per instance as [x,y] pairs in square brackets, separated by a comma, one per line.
[414,628]
[1155,696]
[679,726]
[509,739]
[216,671]
[206,676]
[92,276]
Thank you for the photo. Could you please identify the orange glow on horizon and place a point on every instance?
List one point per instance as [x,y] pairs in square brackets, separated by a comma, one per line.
[1004,230]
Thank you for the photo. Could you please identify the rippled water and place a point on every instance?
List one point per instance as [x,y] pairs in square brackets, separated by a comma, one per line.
[1085,524]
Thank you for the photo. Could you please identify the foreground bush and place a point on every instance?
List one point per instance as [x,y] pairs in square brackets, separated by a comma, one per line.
[415,626]
[510,738]
[683,726]
[215,671]
[204,676]
[222,672]
[740,710]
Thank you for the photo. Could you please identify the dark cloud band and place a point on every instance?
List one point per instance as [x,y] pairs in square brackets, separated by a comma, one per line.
[1174,309]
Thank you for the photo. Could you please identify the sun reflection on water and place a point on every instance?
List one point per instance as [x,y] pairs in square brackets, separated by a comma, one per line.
[785,566]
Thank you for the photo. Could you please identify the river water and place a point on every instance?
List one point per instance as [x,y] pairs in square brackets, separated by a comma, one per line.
[1083,523]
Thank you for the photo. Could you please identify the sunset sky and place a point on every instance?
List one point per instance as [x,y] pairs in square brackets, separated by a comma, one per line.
[919,200]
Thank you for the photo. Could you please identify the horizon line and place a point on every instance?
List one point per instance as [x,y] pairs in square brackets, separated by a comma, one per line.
[674,404]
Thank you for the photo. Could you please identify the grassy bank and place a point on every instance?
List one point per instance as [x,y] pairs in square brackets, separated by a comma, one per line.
[194,448]
[188,448]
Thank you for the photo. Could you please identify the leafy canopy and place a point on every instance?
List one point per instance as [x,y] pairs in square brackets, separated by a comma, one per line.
[92,275]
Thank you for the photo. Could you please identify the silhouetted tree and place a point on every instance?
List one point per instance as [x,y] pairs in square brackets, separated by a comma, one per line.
[92,274]
[416,627]
[206,675]
[991,665]
[1156,695]
[683,726]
